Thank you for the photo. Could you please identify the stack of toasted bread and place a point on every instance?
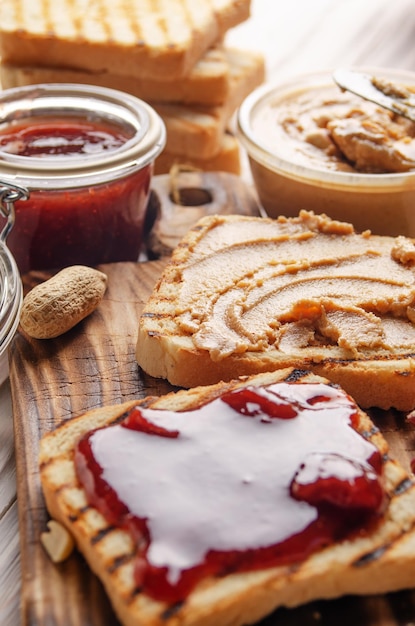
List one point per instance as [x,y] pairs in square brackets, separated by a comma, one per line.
[169,54]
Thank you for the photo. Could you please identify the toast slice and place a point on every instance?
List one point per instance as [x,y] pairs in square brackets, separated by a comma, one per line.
[226,160]
[243,295]
[376,559]
[140,38]
[208,82]
[197,131]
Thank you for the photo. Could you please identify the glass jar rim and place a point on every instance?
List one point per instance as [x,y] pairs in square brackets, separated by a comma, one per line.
[54,99]
[11,297]
[276,161]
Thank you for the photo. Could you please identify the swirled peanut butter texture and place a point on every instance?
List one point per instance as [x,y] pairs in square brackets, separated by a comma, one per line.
[328,129]
[305,285]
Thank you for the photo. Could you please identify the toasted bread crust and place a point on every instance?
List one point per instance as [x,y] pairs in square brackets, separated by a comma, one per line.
[208,82]
[384,383]
[379,562]
[226,160]
[196,131]
[381,377]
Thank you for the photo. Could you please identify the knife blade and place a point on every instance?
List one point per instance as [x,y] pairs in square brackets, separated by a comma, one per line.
[386,93]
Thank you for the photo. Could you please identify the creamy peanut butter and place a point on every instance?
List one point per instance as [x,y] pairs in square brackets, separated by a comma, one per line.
[298,284]
[337,131]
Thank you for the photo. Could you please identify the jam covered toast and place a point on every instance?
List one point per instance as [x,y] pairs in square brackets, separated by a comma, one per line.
[192,509]
[243,295]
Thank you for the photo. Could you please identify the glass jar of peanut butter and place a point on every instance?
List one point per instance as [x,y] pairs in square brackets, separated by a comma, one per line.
[313,147]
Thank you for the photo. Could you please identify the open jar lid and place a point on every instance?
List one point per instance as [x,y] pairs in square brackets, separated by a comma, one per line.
[11,290]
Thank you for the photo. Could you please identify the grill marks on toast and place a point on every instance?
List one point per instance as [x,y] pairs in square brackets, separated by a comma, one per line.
[171,611]
[101,534]
[399,489]
[296,375]
[140,22]
[370,433]
[119,561]
[127,552]
[151,23]
[370,557]
[376,357]
[140,33]
[115,546]
[403,487]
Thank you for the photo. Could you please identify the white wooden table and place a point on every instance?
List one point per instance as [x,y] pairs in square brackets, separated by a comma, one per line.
[295,37]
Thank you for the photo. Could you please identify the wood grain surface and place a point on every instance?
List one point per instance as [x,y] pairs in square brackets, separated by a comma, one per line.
[92,365]
[51,381]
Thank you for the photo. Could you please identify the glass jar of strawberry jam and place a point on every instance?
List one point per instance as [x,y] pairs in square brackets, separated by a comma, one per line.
[85,156]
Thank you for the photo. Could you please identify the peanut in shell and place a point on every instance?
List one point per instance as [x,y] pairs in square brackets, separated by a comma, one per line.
[57,305]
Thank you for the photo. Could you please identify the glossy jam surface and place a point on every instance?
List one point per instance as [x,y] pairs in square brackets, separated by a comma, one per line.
[87,223]
[257,478]
[60,138]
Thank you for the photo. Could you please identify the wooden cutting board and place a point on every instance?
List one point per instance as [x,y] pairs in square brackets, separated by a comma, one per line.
[92,365]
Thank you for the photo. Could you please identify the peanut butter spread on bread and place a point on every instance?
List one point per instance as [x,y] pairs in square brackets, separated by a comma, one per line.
[295,285]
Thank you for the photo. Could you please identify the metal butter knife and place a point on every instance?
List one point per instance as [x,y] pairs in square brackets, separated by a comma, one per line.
[384,92]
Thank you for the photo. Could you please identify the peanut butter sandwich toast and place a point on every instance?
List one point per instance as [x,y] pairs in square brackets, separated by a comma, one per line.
[243,295]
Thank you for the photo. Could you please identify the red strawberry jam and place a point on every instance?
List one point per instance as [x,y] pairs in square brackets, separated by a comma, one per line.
[93,222]
[257,478]
[60,137]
